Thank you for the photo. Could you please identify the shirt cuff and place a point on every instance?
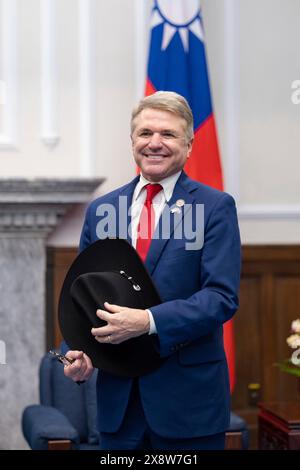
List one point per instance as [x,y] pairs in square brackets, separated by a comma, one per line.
[152,328]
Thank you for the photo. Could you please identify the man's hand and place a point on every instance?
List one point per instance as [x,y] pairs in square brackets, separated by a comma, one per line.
[82,367]
[122,323]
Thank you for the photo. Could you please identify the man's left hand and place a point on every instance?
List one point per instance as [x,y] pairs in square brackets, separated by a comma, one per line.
[122,323]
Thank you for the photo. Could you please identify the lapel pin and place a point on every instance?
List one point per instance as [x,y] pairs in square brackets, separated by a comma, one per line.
[180,202]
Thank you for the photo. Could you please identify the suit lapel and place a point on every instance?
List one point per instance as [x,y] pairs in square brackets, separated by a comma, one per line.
[163,232]
[182,191]
[123,212]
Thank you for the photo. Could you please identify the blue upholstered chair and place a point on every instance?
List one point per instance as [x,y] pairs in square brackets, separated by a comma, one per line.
[66,415]
[237,436]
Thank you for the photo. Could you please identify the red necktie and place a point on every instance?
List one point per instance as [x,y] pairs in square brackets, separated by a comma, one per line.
[147,219]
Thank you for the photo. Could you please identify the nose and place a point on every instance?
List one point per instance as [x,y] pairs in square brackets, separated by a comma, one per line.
[155,141]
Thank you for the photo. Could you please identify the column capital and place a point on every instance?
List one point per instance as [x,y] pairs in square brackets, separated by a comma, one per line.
[34,207]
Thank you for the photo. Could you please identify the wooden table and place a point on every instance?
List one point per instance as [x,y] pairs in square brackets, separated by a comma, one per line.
[279,426]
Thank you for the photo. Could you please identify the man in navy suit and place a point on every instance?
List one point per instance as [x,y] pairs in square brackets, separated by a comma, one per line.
[185,403]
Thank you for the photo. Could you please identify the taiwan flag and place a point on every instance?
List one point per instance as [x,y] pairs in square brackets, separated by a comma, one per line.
[177,62]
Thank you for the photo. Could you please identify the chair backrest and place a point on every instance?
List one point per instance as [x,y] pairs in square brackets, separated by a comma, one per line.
[76,402]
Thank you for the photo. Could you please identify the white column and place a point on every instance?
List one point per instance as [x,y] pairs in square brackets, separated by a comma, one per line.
[88,86]
[9,81]
[141,44]
[49,98]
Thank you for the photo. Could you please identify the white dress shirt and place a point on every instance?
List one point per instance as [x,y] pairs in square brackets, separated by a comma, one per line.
[159,202]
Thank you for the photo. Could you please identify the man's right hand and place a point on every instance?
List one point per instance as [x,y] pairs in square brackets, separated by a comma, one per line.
[82,367]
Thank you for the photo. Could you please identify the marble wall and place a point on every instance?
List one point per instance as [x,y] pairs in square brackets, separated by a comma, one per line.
[29,211]
[22,328]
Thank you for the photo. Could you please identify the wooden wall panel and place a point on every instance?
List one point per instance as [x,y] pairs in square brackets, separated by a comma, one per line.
[247,324]
[58,262]
[248,353]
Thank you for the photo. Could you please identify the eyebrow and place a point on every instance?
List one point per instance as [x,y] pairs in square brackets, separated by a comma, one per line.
[143,129]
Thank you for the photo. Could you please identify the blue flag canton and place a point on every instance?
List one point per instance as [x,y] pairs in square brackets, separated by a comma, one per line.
[185,72]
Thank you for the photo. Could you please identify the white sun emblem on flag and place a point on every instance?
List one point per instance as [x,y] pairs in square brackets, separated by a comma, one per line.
[178,15]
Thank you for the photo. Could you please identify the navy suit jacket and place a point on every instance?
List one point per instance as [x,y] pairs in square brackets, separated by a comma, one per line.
[188,395]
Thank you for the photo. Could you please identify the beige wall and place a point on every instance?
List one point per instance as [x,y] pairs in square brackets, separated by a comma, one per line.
[112,97]
[252,48]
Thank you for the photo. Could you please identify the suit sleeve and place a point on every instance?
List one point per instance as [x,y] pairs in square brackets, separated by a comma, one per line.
[85,237]
[181,321]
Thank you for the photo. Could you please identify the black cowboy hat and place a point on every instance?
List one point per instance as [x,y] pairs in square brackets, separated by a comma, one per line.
[108,270]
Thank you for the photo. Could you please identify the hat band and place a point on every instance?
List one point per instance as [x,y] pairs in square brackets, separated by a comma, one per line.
[135,285]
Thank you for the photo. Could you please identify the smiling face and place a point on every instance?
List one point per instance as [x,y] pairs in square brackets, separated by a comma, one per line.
[159,143]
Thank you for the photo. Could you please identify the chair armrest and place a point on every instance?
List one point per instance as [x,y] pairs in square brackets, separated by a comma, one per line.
[238,425]
[43,423]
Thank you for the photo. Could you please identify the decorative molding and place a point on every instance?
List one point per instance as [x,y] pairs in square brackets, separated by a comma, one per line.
[50,134]
[269,211]
[30,219]
[45,190]
[88,87]
[9,59]
[141,39]
[34,207]
[231,97]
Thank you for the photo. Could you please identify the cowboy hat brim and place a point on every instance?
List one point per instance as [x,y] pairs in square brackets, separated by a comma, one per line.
[108,270]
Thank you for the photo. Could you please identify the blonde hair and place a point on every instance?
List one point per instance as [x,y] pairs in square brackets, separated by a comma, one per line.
[167,101]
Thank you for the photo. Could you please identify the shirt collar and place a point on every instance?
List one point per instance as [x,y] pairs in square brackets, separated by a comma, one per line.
[167,184]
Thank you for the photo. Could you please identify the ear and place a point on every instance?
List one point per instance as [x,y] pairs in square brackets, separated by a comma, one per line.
[190,146]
